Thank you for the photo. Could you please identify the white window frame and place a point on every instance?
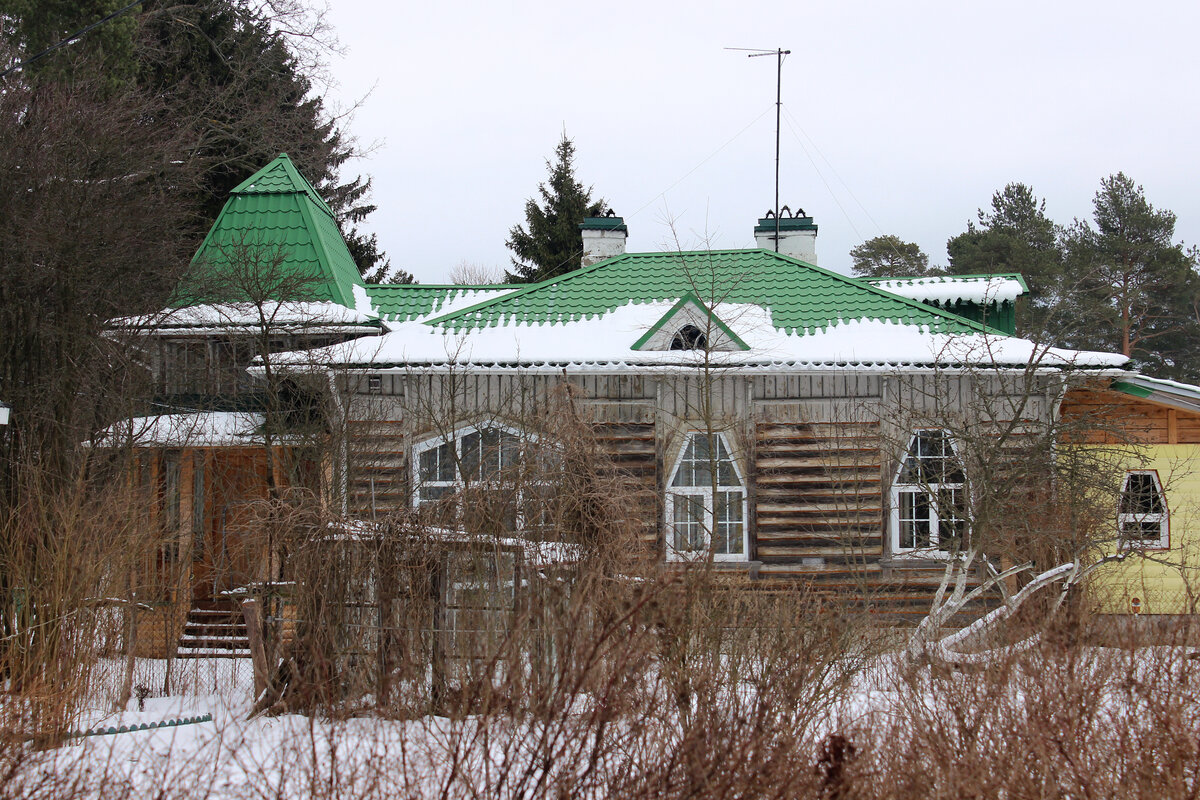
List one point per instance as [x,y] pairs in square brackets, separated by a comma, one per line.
[457,484]
[705,495]
[930,491]
[1162,518]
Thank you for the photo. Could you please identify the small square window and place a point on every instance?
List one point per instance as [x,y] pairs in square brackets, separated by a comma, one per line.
[375,383]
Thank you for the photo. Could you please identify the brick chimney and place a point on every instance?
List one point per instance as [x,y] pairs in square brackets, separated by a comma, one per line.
[603,237]
[797,234]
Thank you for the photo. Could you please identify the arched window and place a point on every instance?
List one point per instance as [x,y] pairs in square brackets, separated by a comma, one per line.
[929,496]
[689,337]
[473,479]
[1142,516]
[706,502]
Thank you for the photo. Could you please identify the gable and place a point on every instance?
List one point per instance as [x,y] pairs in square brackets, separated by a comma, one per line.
[689,314]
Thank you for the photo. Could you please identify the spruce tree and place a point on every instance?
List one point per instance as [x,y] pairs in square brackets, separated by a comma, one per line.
[222,68]
[552,243]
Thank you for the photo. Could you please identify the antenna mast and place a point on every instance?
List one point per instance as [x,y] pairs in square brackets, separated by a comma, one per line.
[779,53]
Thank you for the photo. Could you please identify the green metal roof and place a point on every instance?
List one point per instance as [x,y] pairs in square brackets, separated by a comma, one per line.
[406,302]
[276,210]
[800,296]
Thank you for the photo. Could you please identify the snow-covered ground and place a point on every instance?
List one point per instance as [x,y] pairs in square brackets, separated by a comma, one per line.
[1087,699]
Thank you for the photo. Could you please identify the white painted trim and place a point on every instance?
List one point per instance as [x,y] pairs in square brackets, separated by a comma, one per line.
[1164,518]
[897,488]
[456,436]
[709,506]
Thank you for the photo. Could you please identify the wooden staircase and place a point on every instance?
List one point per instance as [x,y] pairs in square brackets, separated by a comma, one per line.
[214,629]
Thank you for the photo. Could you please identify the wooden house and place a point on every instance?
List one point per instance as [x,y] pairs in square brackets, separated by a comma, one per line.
[776,419]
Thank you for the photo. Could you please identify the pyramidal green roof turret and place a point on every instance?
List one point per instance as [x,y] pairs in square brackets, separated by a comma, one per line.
[276,222]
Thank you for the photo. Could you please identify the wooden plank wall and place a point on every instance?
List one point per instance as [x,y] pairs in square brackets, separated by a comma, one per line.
[817,492]
[633,456]
[818,451]
[1109,417]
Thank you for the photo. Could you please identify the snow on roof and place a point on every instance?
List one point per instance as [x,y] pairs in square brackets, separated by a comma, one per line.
[238,317]
[955,288]
[420,301]
[198,429]
[605,341]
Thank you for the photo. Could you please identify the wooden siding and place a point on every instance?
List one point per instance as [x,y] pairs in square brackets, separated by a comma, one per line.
[817,450]
[631,451]
[376,468]
[1115,417]
[817,492]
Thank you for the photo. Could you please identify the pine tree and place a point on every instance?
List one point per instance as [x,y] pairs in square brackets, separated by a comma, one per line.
[1136,289]
[1015,236]
[553,244]
[885,256]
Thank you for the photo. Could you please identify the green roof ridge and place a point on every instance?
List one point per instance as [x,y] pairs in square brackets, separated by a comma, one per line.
[915,304]
[341,294]
[574,275]
[522,292]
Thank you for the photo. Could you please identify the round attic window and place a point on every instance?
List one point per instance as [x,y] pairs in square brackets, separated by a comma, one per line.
[689,337]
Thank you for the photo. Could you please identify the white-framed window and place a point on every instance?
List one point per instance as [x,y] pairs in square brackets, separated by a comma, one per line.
[1142,516]
[929,500]
[473,479]
[706,502]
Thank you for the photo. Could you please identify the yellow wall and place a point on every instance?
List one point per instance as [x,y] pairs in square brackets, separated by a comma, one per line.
[1172,587]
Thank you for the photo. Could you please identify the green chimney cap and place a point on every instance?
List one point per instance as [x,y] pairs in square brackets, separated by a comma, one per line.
[767,224]
[604,224]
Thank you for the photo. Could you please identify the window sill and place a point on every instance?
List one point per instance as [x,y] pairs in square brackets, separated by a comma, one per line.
[727,565]
[913,558]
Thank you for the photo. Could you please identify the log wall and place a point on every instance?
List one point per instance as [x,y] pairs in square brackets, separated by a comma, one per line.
[818,451]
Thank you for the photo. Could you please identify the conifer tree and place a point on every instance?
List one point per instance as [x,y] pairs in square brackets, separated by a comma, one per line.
[224,67]
[1135,287]
[552,243]
[1015,236]
[889,256]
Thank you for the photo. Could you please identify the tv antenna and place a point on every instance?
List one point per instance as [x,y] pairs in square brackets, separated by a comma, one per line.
[779,53]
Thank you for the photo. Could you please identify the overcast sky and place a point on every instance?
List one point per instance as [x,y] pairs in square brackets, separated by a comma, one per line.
[899,118]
